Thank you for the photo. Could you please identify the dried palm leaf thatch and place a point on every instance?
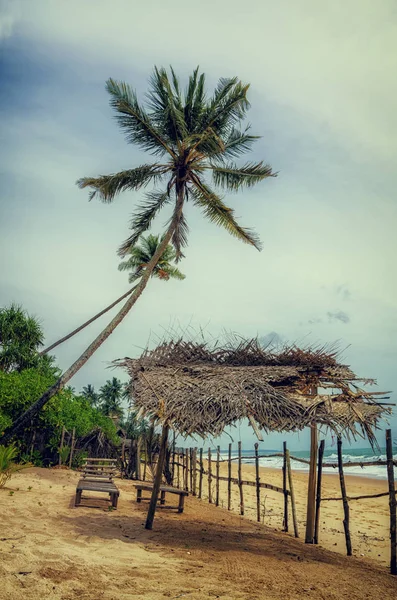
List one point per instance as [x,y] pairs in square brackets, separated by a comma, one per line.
[201,389]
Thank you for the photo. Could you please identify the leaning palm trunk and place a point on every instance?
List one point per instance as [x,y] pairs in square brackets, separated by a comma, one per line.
[102,337]
[84,325]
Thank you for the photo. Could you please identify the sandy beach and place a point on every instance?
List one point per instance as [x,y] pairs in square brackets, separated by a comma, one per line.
[50,549]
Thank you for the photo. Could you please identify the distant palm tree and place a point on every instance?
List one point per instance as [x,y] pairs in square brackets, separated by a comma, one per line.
[194,136]
[141,255]
[110,395]
[89,393]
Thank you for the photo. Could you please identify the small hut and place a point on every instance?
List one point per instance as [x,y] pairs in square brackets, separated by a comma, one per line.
[197,389]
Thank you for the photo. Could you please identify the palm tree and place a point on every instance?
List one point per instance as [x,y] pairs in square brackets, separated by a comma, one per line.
[194,136]
[89,393]
[143,255]
[110,395]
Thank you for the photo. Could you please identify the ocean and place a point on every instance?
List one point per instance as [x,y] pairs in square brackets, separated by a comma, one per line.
[330,456]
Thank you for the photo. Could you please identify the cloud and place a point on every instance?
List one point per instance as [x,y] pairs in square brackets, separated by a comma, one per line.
[272,340]
[338,315]
[9,15]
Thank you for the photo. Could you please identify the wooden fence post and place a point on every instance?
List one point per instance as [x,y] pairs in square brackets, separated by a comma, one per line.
[392,503]
[291,491]
[285,486]
[72,448]
[311,490]
[201,474]
[61,446]
[240,485]
[209,476]
[229,479]
[191,469]
[187,469]
[257,482]
[318,494]
[344,498]
[194,467]
[146,459]
[173,459]
[178,454]
[218,453]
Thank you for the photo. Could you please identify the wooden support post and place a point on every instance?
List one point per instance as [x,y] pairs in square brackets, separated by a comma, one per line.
[318,493]
[187,469]
[61,446]
[344,498]
[200,493]
[257,482]
[285,519]
[311,490]
[138,458]
[292,494]
[392,503]
[194,468]
[229,479]
[157,478]
[72,448]
[240,479]
[209,476]
[218,455]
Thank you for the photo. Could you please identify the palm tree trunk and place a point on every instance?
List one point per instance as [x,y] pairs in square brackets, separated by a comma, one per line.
[102,337]
[72,333]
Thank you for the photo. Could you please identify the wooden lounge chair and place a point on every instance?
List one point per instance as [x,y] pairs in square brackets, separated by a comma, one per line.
[164,489]
[98,477]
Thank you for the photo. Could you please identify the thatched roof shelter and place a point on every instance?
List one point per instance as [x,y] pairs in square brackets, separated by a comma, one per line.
[201,389]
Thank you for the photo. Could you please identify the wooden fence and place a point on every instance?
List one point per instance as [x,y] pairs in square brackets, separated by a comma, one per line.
[189,466]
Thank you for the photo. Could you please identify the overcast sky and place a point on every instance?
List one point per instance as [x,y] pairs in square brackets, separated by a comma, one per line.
[323,95]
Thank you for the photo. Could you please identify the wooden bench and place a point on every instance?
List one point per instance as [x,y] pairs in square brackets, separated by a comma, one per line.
[106,487]
[98,477]
[164,489]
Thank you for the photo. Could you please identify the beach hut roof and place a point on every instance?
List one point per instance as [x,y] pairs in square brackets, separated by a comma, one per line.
[201,389]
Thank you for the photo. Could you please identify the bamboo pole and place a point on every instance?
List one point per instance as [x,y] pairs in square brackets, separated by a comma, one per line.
[229,479]
[257,481]
[218,455]
[173,458]
[200,493]
[311,490]
[209,476]
[345,501]
[285,486]
[194,471]
[157,478]
[240,485]
[61,446]
[392,503]
[318,493]
[292,494]
[72,448]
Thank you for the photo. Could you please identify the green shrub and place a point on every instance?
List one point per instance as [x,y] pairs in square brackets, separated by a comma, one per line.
[7,465]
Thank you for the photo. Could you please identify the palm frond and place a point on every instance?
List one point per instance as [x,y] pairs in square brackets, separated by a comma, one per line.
[233,177]
[134,121]
[106,187]
[228,106]
[194,101]
[143,217]
[236,143]
[166,106]
[174,273]
[220,214]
